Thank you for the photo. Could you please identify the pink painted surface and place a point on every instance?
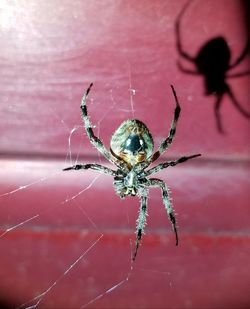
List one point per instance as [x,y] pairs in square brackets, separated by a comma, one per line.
[50,52]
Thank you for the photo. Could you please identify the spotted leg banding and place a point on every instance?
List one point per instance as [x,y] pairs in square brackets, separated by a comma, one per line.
[94,139]
[165,143]
[96,167]
[161,166]
[141,222]
[157,183]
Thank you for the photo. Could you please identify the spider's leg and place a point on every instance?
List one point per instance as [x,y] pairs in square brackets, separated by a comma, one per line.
[95,141]
[237,105]
[179,46]
[164,145]
[238,74]
[153,182]
[96,167]
[141,222]
[217,113]
[187,71]
[242,56]
[88,126]
[161,166]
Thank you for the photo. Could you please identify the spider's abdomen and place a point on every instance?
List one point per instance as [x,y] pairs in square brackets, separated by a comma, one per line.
[132,142]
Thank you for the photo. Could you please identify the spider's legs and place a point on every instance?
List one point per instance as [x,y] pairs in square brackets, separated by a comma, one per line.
[187,71]
[164,145]
[96,142]
[161,166]
[141,222]
[153,182]
[97,167]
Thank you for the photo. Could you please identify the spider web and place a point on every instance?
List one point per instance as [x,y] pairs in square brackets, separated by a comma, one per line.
[73,201]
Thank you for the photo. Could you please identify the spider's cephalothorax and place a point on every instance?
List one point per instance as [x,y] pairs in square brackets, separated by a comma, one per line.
[131,151]
[129,184]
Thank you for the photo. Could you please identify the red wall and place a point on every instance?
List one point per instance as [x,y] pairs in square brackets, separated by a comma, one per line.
[70,247]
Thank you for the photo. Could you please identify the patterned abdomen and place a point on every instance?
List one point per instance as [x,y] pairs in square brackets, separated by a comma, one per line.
[132,142]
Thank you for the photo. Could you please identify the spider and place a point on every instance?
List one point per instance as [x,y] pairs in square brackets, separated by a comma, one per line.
[213,62]
[131,151]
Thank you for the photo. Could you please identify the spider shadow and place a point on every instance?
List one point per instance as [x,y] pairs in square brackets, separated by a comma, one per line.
[213,63]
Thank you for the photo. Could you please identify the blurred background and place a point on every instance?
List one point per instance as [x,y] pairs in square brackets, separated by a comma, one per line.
[66,238]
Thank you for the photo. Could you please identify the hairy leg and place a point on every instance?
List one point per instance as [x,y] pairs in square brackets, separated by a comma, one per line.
[96,167]
[161,166]
[141,222]
[95,141]
[157,183]
[165,143]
